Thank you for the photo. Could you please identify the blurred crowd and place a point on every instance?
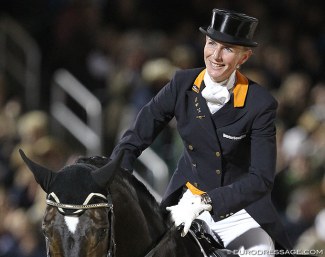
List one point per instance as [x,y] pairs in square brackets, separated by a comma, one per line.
[124,52]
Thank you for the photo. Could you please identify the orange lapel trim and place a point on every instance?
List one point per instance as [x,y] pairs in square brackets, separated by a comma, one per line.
[240,90]
[198,81]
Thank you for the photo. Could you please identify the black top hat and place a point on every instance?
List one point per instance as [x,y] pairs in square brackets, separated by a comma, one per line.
[231,27]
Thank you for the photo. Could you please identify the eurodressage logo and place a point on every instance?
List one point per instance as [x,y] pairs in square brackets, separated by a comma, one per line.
[276,252]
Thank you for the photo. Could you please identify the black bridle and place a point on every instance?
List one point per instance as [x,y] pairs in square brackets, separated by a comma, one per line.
[79,209]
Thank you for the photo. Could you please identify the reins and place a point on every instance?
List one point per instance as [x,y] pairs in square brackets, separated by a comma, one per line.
[191,233]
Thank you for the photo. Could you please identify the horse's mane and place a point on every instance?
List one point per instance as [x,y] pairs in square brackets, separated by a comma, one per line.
[97,161]
[145,198]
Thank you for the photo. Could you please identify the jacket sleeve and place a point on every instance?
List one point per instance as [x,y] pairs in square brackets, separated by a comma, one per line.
[258,181]
[152,118]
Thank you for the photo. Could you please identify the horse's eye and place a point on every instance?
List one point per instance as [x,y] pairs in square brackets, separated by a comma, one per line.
[102,233]
[45,231]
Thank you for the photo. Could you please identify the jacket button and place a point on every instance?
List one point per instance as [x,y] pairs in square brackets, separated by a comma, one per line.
[218,154]
[194,164]
[218,172]
[190,147]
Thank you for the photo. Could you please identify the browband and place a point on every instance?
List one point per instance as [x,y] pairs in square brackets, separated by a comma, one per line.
[78,207]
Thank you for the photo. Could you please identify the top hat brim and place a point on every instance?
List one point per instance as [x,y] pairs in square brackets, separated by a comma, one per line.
[225,38]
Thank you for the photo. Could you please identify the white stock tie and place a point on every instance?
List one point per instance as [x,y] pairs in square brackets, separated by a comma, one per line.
[217,94]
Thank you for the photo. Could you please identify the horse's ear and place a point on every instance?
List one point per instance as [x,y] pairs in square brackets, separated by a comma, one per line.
[105,175]
[42,175]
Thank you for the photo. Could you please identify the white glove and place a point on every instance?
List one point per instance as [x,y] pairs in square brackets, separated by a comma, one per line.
[186,198]
[189,207]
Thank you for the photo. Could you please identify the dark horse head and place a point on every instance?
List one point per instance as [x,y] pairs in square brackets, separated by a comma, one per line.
[79,220]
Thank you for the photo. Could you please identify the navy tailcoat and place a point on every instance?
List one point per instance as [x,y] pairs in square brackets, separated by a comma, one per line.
[231,154]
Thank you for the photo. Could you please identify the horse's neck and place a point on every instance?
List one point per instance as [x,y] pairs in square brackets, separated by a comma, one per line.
[140,225]
[138,220]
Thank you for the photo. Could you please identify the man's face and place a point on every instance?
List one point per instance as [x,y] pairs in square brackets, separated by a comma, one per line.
[222,59]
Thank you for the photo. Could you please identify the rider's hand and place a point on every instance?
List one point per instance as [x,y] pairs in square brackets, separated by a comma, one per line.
[189,207]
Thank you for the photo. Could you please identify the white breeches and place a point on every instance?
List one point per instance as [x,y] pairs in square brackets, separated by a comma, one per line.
[242,234]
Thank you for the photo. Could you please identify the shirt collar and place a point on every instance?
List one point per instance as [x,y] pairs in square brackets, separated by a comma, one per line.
[229,83]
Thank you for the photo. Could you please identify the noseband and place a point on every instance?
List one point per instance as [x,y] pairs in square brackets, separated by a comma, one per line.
[79,209]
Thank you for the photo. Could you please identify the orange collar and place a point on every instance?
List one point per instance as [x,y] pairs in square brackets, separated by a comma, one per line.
[240,89]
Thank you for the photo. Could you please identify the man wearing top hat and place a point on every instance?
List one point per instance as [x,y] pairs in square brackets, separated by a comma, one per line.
[227,123]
